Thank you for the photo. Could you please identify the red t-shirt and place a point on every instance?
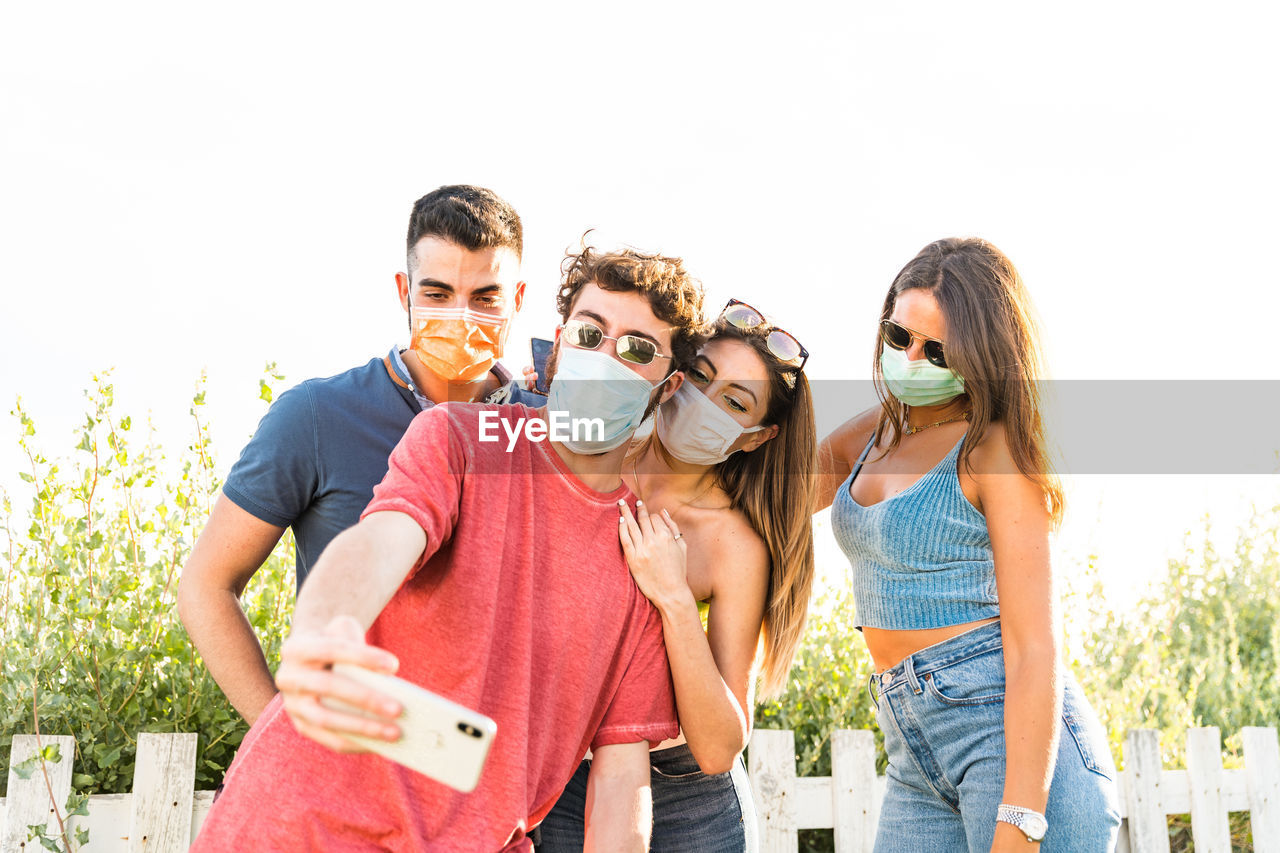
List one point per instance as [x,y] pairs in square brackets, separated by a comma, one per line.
[522,607]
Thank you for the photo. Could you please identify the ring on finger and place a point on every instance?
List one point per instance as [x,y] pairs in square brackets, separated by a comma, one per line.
[678,535]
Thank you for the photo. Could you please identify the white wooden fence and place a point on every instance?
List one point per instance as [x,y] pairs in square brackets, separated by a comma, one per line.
[849,800]
[163,813]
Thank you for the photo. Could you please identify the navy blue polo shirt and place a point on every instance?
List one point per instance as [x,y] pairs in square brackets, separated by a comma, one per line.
[322,447]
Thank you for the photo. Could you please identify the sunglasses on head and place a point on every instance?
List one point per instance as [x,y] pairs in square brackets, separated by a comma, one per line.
[632,348]
[899,337]
[782,344]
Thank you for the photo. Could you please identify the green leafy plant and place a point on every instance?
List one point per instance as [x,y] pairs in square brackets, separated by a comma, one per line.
[93,646]
[1203,649]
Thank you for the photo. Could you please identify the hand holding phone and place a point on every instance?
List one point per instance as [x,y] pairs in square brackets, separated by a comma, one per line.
[305,674]
[540,349]
[439,738]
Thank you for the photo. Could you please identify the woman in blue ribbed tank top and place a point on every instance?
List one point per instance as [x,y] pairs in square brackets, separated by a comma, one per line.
[943,500]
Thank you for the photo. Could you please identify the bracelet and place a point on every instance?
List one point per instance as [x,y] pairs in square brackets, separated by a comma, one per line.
[1030,823]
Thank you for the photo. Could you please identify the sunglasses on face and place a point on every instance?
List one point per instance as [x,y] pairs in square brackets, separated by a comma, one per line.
[900,337]
[783,345]
[632,348]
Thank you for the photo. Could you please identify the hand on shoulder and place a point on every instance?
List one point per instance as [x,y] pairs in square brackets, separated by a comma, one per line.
[656,555]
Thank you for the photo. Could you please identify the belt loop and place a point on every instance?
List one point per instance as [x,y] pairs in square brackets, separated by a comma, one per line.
[909,670]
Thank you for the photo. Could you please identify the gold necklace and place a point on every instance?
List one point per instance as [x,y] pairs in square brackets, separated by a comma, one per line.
[635,472]
[910,430]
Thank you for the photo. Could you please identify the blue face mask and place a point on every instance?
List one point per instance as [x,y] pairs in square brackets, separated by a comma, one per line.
[918,383]
[589,384]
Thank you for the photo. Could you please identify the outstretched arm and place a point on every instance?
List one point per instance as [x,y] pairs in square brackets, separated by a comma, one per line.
[352,581]
[619,810]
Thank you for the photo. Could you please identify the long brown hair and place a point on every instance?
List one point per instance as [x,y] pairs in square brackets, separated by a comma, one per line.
[773,486]
[993,343]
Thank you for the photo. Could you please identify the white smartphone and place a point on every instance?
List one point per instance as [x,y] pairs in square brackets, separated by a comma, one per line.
[438,738]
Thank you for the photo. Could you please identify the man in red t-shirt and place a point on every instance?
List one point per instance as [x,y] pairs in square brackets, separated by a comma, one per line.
[487,569]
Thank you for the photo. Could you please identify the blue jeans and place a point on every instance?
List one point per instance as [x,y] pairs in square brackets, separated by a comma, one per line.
[942,714]
[691,810]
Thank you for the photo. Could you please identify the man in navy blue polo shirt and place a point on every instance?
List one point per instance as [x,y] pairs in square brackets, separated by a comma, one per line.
[324,444]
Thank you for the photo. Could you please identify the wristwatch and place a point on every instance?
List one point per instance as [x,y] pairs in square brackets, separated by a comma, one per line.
[1032,824]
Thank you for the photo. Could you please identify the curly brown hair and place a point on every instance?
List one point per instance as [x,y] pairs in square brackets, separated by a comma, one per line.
[673,294]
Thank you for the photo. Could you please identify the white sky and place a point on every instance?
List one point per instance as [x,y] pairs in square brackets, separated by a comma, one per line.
[209,188]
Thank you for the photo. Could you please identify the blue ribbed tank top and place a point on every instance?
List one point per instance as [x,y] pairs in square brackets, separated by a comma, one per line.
[920,559]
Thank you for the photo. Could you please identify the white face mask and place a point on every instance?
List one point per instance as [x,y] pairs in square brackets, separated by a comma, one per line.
[697,431]
[590,384]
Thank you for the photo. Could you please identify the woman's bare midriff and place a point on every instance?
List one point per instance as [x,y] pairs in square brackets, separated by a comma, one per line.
[889,648]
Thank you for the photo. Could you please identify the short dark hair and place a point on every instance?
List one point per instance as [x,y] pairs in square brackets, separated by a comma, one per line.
[673,294]
[472,217]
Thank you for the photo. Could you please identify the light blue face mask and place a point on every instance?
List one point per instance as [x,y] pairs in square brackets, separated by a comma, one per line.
[918,383]
[590,384]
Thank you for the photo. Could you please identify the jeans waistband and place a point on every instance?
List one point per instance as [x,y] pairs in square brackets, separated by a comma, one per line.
[977,641]
[674,760]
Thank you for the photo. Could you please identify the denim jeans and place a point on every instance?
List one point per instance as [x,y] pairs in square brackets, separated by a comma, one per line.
[942,714]
[691,810]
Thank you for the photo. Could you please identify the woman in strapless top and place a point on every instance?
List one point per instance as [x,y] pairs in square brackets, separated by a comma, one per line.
[943,499]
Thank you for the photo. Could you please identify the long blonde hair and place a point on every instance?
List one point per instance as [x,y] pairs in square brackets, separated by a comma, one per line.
[774,487]
[993,343]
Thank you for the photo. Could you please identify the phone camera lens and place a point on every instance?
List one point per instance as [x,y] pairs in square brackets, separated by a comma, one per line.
[468,730]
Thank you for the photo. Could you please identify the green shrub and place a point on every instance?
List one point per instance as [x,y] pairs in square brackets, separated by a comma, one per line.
[1203,649]
[93,646]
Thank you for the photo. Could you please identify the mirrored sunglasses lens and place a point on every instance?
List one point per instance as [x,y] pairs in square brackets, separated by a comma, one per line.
[933,352]
[784,347]
[636,350]
[743,316]
[894,335]
[583,334]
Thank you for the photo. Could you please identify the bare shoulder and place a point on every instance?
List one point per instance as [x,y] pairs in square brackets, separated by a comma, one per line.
[848,439]
[992,455]
[735,552]
[1002,487]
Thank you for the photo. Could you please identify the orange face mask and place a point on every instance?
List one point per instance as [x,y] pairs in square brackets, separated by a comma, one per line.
[457,344]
